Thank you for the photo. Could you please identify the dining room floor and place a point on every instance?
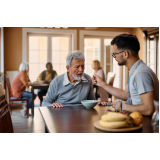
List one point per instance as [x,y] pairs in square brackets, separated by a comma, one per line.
[27,125]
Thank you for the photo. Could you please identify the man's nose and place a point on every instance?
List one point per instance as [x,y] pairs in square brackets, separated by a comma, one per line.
[80,69]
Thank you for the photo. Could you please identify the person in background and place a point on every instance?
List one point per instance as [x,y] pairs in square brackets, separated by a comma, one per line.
[46,77]
[143,84]
[19,85]
[70,88]
[98,71]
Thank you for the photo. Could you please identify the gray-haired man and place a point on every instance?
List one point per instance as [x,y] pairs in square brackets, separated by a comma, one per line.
[70,88]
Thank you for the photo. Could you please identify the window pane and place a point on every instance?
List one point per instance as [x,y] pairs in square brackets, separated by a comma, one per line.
[92,52]
[56,43]
[107,42]
[37,55]
[33,43]
[63,56]
[60,49]
[33,72]
[116,70]
[33,56]
[56,67]
[56,57]
[42,56]
[152,67]
[42,43]
[42,67]
[151,58]
[64,43]
[63,68]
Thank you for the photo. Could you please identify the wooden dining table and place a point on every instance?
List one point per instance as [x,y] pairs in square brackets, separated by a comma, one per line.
[78,119]
[40,86]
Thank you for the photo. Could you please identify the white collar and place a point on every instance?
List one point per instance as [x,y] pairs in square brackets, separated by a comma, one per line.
[66,80]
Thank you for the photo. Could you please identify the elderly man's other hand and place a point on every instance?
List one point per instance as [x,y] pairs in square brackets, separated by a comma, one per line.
[102,103]
[96,80]
[56,105]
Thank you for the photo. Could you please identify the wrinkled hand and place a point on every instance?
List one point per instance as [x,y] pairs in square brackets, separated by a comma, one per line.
[102,103]
[96,80]
[56,105]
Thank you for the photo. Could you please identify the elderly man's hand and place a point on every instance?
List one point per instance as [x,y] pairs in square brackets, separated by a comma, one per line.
[96,80]
[56,105]
[102,103]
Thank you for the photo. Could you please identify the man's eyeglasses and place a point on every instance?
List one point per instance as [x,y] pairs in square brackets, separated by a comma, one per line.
[114,54]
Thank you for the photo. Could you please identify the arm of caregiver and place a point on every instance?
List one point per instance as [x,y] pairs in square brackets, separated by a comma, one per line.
[147,106]
[118,93]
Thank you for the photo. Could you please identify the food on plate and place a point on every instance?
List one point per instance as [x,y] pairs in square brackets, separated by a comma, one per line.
[114,125]
[113,120]
[137,118]
[114,117]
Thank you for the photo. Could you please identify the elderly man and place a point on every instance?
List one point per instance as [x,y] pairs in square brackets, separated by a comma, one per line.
[70,88]
[143,84]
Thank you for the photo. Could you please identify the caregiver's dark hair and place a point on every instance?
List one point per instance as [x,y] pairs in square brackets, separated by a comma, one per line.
[127,42]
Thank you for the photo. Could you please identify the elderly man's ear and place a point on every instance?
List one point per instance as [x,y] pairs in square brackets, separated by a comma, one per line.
[67,67]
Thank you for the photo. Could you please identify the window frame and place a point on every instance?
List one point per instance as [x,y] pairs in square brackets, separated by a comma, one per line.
[26,31]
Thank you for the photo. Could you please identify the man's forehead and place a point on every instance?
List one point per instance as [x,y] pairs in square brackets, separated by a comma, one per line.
[77,61]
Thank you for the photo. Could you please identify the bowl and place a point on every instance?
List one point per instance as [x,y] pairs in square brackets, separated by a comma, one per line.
[89,103]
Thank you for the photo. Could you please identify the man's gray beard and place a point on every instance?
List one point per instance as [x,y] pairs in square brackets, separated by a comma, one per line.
[76,78]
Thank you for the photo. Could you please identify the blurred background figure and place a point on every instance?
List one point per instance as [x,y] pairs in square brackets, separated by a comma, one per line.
[46,77]
[98,71]
[20,82]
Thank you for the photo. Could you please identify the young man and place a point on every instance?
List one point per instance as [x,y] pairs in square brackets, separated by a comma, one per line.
[143,84]
[46,77]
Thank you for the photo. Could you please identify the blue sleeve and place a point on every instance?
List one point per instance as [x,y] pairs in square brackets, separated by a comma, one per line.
[51,95]
[143,82]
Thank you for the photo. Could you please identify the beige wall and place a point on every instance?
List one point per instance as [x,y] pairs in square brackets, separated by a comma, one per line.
[138,32]
[12,48]
[13,43]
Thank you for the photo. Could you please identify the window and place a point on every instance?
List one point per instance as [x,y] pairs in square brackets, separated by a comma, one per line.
[60,49]
[47,48]
[153,53]
[92,51]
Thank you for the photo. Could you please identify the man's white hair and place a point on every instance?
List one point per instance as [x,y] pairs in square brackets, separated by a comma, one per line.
[74,55]
[23,66]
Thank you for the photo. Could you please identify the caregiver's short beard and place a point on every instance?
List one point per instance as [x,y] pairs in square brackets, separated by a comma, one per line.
[76,78]
[123,62]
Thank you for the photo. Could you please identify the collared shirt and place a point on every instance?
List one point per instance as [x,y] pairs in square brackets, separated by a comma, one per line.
[62,91]
[142,80]
[66,80]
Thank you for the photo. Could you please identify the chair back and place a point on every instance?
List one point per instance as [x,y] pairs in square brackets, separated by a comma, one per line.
[5,117]
[110,78]
[8,85]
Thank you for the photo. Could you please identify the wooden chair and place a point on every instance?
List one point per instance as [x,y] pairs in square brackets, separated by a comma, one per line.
[5,117]
[12,99]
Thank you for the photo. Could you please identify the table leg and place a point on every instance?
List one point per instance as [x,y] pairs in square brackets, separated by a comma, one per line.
[32,109]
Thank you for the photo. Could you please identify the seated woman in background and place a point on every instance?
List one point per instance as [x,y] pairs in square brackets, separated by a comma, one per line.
[98,71]
[19,85]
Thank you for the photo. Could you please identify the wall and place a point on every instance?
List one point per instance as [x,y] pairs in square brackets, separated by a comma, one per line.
[13,43]
[12,48]
[138,32]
